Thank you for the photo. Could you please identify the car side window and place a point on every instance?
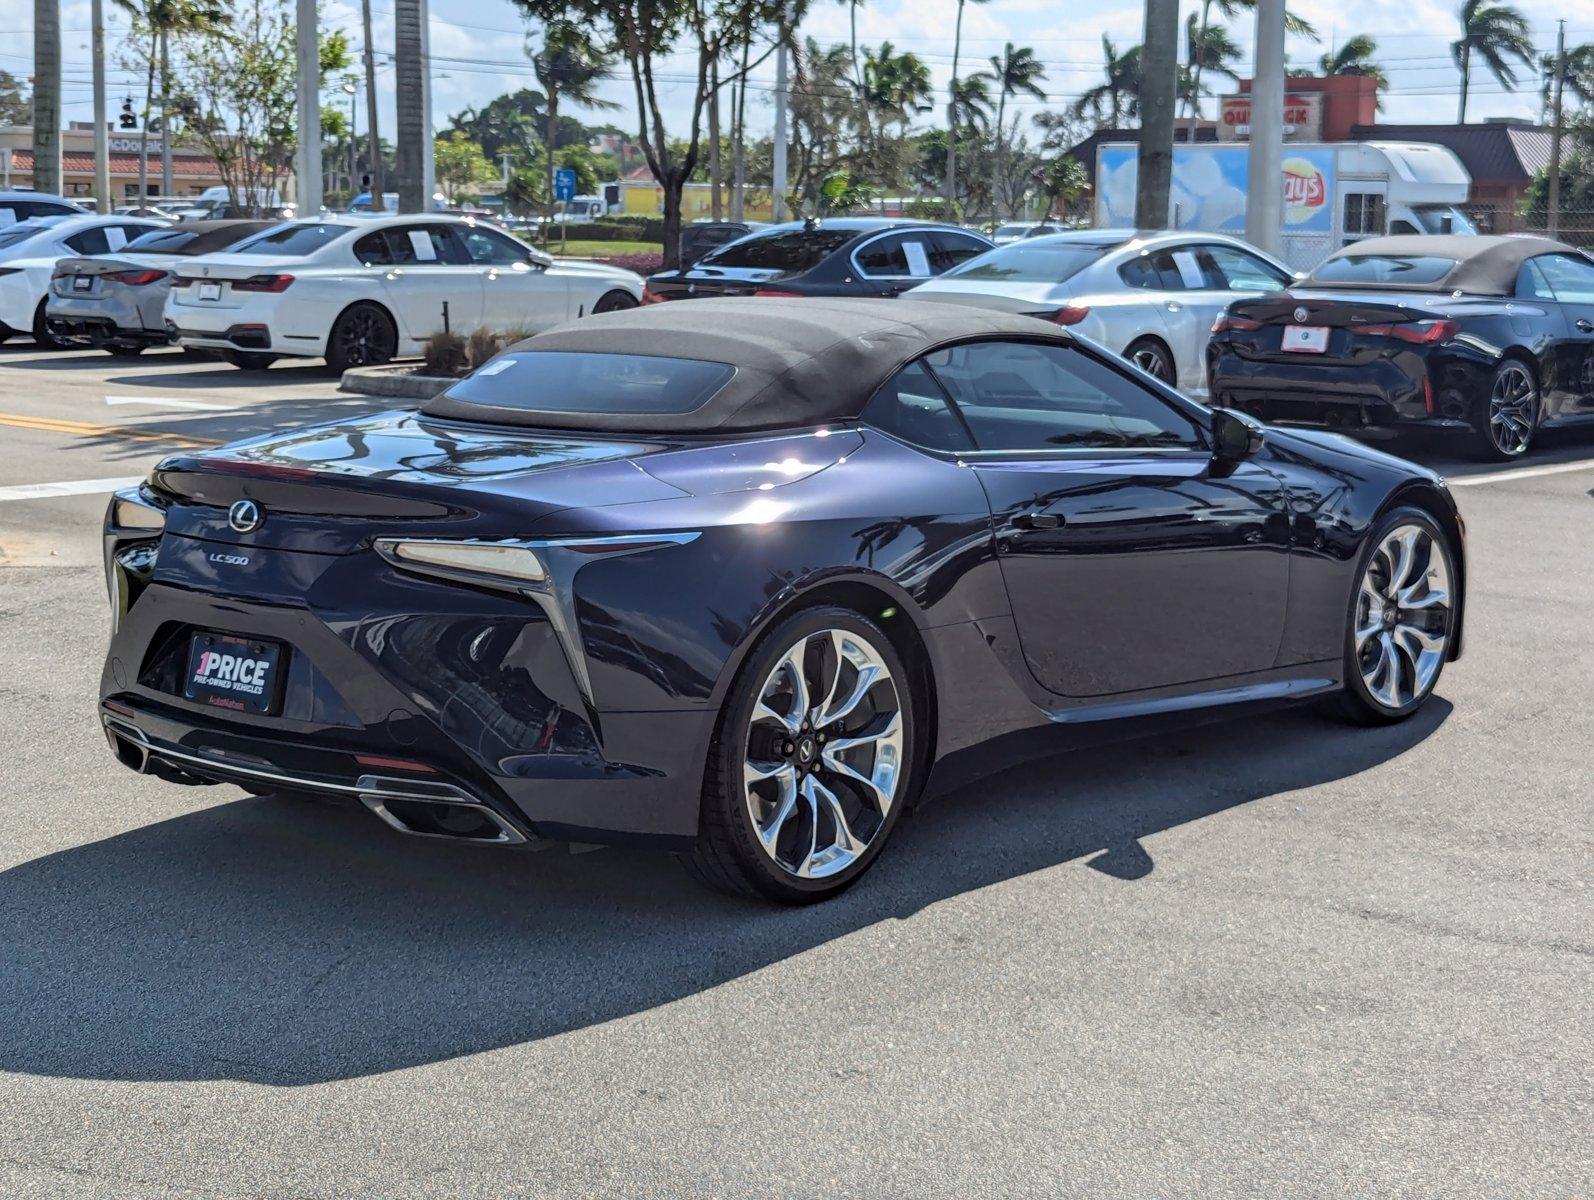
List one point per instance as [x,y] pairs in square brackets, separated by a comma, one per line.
[948,249]
[1238,271]
[1571,279]
[372,250]
[90,241]
[912,407]
[1164,271]
[487,248]
[1531,284]
[1399,226]
[897,255]
[423,245]
[1139,273]
[1032,396]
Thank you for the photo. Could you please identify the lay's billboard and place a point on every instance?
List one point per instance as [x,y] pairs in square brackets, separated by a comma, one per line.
[1209,186]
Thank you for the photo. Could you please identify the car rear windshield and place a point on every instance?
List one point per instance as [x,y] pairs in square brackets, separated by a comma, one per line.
[1031,262]
[1394,270]
[162,241]
[564,381]
[292,241]
[789,252]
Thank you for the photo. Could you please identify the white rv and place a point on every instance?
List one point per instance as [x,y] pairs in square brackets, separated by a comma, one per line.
[1334,192]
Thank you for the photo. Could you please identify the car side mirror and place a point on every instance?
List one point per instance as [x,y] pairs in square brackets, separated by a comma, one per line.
[1236,436]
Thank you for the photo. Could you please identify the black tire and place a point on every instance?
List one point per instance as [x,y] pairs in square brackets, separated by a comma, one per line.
[42,335]
[1489,439]
[123,351]
[614,302]
[729,856]
[362,336]
[6,332]
[249,360]
[1357,703]
[200,355]
[1152,357]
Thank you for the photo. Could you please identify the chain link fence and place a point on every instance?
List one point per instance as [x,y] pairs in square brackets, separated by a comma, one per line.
[1576,224]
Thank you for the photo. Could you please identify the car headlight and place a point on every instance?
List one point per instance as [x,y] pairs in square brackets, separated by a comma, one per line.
[501,560]
[131,512]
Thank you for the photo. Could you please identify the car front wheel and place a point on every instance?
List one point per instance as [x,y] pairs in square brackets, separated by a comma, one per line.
[1509,417]
[812,763]
[614,302]
[1402,619]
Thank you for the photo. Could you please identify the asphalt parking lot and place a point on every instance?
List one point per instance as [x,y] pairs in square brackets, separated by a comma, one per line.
[1273,956]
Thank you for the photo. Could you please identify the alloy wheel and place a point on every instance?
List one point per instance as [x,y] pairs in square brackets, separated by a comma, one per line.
[824,754]
[363,339]
[1513,409]
[1403,617]
[1150,360]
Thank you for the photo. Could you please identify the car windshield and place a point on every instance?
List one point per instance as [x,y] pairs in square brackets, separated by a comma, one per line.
[293,241]
[1011,231]
[21,232]
[788,252]
[1395,270]
[1031,262]
[162,241]
[569,381]
[1443,218]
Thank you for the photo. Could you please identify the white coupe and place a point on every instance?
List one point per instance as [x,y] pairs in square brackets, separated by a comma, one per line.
[360,292]
[28,253]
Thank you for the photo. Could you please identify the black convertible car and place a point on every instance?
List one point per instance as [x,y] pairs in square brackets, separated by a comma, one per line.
[736,578]
[1492,337]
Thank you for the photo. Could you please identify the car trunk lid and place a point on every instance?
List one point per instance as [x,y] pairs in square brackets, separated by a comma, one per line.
[1358,326]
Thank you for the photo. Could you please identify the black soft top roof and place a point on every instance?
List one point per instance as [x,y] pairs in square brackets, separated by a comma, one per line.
[799,362]
[1486,266]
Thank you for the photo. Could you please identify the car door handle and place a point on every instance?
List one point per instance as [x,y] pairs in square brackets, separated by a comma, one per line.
[1174,306]
[1585,325]
[1039,520]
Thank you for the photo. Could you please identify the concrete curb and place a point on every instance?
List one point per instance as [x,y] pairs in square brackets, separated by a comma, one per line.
[393,379]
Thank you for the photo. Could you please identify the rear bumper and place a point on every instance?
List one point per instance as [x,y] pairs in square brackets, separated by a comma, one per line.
[102,331]
[243,336]
[117,319]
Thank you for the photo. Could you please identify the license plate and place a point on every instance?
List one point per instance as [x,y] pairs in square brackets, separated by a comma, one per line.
[210,291]
[1306,339]
[236,673]
[82,283]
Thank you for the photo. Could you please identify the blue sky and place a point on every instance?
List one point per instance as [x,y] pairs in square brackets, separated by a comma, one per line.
[477,48]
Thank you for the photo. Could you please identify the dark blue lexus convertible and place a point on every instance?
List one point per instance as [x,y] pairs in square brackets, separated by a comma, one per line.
[734,578]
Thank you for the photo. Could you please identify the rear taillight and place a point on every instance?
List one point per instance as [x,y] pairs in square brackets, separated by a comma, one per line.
[9,270]
[135,278]
[778,293]
[1418,333]
[263,283]
[1227,323]
[1069,314]
[182,281]
[649,296]
[1428,402]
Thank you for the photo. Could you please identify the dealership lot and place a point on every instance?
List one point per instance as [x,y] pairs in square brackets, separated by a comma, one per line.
[1257,957]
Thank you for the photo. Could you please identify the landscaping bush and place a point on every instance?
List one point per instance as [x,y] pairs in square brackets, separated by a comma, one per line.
[610,229]
[445,354]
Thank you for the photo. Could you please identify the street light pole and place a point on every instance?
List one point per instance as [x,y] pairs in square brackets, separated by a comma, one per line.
[778,176]
[308,166]
[373,143]
[47,96]
[1554,225]
[1264,200]
[102,141]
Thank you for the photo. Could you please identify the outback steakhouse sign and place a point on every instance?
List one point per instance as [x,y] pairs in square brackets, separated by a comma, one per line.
[1303,118]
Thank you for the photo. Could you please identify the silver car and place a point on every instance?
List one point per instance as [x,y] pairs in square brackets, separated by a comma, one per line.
[115,301]
[1151,297]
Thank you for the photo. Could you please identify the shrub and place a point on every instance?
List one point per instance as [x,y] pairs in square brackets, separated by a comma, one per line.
[445,354]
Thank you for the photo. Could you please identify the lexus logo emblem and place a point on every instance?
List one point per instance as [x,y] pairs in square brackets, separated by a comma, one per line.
[244,516]
[1300,316]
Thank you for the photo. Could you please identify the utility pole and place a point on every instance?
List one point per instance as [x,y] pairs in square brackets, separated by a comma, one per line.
[47,96]
[374,143]
[102,141]
[779,174]
[1264,201]
[1554,224]
[411,72]
[307,164]
[1160,71]
[167,186]
[715,172]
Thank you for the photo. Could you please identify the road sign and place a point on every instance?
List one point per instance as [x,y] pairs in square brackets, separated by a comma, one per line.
[564,184]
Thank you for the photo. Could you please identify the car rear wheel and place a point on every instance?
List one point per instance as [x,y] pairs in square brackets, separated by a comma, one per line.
[42,334]
[246,360]
[615,302]
[1152,357]
[812,763]
[362,336]
[1509,417]
[124,351]
[1402,619]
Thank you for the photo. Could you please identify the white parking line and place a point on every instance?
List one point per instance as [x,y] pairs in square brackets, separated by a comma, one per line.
[1586,464]
[75,487]
[168,402]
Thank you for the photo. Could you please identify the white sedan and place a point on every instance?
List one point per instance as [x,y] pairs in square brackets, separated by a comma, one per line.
[1151,297]
[28,253]
[360,292]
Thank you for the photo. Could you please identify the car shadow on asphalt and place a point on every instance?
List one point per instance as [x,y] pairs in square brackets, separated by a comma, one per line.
[283,942]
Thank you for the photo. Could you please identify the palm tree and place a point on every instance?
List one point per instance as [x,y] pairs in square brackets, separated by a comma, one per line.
[47,97]
[568,66]
[971,102]
[1496,33]
[894,85]
[1578,75]
[1355,57]
[1229,10]
[1017,70]
[1119,95]
[162,20]
[952,115]
[1210,49]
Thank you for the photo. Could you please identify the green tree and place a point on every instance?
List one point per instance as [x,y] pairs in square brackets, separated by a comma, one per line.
[1496,33]
[507,124]
[1016,70]
[15,107]
[160,21]
[570,64]
[1063,181]
[1117,97]
[523,194]
[1578,76]
[1209,49]
[956,94]
[1231,9]
[1355,57]
[460,164]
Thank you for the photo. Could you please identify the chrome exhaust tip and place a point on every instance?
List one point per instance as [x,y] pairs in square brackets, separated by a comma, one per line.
[436,810]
